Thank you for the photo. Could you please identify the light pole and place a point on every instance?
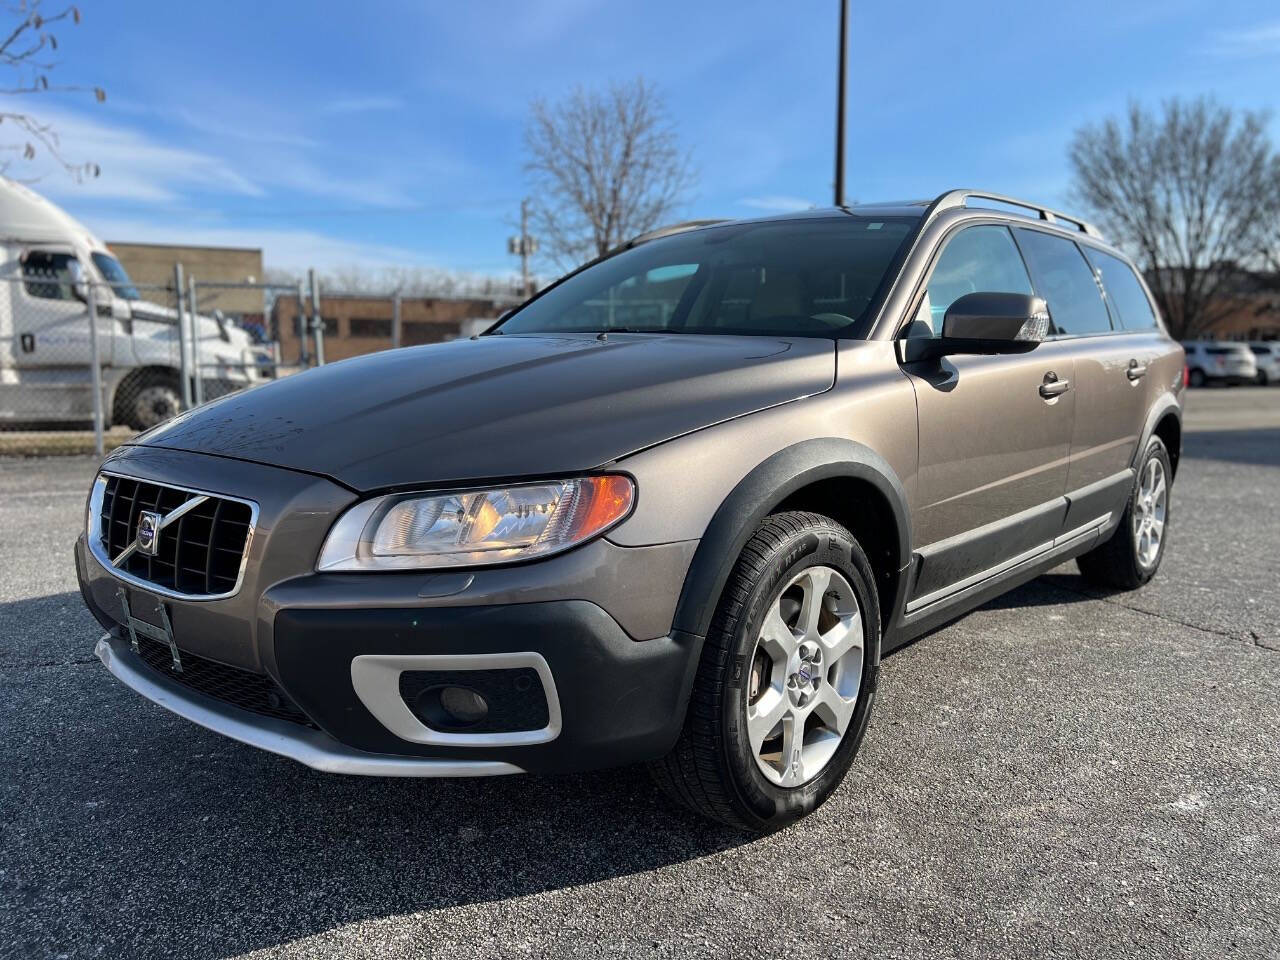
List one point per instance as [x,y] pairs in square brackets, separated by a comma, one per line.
[841,84]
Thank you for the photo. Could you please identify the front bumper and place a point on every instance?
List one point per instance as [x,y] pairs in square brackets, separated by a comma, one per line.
[598,619]
[314,748]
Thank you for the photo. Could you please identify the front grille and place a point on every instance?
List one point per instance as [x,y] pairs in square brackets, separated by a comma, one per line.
[240,688]
[200,553]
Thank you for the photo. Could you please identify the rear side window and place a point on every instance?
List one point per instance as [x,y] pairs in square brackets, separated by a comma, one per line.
[980,259]
[1123,291]
[1065,280]
[46,275]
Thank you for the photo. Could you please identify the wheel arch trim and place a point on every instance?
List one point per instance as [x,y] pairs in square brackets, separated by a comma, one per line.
[768,485]
[1165,406]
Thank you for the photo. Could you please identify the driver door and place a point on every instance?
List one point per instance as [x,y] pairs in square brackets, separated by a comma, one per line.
[50,323]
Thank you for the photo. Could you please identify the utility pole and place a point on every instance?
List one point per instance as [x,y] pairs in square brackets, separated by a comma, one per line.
[840,91]
[525,246]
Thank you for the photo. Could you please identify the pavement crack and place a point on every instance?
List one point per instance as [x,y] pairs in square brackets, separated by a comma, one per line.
[1250,637]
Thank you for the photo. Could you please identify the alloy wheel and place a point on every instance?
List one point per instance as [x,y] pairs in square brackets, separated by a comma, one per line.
[806,672]
[1150,509]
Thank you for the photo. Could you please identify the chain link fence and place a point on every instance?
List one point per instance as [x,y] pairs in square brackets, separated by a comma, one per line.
[85,364]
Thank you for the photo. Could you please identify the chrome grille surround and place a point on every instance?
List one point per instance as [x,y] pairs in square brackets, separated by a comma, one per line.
[182,495]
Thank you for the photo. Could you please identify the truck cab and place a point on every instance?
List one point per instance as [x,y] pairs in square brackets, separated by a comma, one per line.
[56,278]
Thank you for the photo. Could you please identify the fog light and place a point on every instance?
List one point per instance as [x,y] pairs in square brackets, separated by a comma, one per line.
[463,705]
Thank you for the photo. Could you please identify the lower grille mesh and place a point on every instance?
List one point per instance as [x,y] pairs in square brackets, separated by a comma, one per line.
[240,688]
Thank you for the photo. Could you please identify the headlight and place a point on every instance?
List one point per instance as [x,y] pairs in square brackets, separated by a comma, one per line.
[473,527]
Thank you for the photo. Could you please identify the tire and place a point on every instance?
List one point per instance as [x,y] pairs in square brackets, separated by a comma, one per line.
[1263,379]
[1196,379]
[1122,562]
[744,679]
[151,400]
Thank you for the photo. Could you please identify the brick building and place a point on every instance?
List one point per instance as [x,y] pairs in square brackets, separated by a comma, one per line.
[357,324]
[151,265]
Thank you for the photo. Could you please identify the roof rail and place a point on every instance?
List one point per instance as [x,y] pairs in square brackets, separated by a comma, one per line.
[670,229]
[959,198]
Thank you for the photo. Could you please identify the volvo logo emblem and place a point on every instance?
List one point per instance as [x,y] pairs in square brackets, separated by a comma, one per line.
[148,538]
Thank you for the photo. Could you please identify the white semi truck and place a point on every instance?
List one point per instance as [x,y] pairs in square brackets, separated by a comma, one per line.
[54,276]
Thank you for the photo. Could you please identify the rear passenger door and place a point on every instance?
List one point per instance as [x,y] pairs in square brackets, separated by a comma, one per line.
[1111,365]
[993,448]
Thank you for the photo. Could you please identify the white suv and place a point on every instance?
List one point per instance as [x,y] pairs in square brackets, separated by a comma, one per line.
[1211,361]
[1267,356]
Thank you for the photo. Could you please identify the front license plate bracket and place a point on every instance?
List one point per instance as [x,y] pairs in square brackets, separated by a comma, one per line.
[161,634]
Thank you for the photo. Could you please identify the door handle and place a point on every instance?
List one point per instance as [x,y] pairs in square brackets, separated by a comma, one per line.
[1136,370]
[1053,387]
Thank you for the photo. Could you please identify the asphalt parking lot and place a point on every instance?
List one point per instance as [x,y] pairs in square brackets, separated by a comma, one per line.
[1059,774]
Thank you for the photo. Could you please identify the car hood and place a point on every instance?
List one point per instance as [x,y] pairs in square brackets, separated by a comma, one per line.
[500,406]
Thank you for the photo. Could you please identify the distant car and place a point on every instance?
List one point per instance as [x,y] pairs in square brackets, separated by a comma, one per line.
[1267,357]
[672,509]
[1210,361]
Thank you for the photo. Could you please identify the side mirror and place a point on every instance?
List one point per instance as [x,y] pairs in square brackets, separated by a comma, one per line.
[221,321]
[79,285]
[985,323]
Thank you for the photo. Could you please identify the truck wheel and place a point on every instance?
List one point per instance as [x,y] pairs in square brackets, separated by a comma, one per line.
[156,397]
[1196,379]
[788,673]
[1131,556]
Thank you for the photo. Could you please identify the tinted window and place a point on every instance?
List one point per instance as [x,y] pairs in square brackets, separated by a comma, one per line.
[45,275]
[1124,292]
[977,259]
[796,277]
[1065,280]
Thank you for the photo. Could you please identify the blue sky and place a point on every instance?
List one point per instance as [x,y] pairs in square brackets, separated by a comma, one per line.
[390,133]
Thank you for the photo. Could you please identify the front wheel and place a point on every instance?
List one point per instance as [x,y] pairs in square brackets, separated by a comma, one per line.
[154,399]
[1196,378]
[788,673]
[1133,553]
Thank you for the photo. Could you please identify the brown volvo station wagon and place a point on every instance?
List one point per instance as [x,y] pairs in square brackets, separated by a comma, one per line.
[672,510]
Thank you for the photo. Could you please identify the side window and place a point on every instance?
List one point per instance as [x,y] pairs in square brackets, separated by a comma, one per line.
[977,259]
[1124,292]
[1065,280]
[45,275]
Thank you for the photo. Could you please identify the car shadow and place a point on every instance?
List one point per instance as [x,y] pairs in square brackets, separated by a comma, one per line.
[138,825]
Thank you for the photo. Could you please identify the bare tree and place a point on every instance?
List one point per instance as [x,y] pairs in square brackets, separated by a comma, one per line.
[1191,193]
[27,51]
[604,167]
[407,281]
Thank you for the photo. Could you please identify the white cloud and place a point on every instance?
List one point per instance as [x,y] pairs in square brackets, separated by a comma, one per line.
[139,167]
[282,248]
[362,104]
[134,165]
[1259,41]
[776,203]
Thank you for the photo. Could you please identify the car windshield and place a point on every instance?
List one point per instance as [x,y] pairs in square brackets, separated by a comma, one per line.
[804,277]
[115,275]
